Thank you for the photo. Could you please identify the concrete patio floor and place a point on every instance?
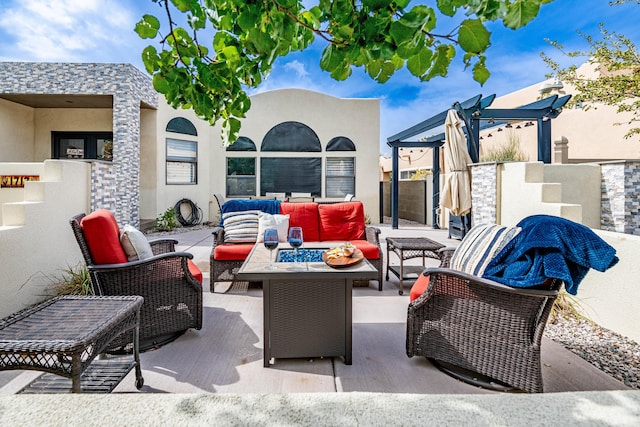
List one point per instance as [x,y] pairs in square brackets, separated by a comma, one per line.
[225,356]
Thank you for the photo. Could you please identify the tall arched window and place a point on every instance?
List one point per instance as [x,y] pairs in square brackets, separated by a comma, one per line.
[182,152]
[340,173]
[300,174]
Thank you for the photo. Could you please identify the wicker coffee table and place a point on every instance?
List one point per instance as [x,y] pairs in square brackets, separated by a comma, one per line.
[307,310]
[406,248]
[64,335]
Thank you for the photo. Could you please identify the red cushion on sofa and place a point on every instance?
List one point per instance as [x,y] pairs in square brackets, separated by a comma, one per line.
[102,235]
[194,270]
[419,287]
[341,221]
[232,251]
[303,215]
[369,250]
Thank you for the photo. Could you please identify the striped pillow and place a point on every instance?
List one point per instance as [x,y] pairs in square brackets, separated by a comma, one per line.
[241,227]
[479,246]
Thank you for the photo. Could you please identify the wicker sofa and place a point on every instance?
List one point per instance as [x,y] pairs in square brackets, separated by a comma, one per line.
[320,222]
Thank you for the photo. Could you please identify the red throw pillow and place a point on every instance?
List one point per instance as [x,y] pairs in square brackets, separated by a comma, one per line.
[194,270]
[303,215]
[102,234]
[341,221]
[418,288]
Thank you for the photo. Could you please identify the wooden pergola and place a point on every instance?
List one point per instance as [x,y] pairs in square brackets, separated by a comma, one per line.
[476,115]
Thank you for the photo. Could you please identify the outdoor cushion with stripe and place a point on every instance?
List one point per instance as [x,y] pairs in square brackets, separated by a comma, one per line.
[479,246]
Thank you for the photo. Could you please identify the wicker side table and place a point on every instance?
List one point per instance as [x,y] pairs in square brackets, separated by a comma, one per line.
[406,248]
[64,335]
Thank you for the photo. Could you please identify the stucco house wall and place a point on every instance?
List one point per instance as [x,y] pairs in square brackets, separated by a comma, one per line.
[17,125]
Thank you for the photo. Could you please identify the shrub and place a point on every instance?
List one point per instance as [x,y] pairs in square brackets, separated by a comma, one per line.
[73,281]
[507,152]
[167,221]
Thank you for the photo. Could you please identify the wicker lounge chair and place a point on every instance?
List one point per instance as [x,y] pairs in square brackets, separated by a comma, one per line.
[483,327]
[172,295]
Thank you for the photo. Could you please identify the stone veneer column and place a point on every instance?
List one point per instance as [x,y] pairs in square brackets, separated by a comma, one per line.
[484,193]
[620,197]
[126,158]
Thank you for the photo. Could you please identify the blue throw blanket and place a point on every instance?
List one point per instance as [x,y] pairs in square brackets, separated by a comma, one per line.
[267,206]
[550,247]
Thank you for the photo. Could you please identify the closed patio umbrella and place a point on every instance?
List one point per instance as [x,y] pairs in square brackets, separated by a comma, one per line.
[456,192]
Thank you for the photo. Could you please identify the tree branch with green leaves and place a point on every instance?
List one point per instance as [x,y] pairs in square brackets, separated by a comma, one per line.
[616,60]
[247,36]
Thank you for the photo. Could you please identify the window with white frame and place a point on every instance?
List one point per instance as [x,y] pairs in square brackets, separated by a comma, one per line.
[182,161]
[340,176]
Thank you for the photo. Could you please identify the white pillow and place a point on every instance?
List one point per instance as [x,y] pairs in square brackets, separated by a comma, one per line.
[135,244]
[479,246]
[279,222]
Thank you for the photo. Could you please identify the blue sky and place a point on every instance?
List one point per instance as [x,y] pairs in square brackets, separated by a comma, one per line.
[102,31]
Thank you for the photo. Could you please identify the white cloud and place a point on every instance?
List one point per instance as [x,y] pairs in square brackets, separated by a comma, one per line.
[297,67]
[68,30]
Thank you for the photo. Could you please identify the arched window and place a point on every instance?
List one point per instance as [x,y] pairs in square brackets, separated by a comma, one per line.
[181,125]
[341,143]
[182,153]
[242,144]
[291,136]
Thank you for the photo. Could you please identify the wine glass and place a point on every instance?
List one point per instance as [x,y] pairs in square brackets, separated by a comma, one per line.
[271,242]
[295,240]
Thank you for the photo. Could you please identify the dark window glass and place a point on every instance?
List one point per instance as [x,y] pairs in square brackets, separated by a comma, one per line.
[291,174]
[291,136]
[82,145]
[242,144]
[181,125]
[241,176]
[341,143]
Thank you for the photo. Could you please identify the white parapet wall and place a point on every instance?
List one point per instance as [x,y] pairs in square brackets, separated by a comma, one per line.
[612,299]
[36,240]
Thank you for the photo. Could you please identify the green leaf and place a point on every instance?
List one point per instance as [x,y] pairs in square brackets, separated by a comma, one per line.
[417,17]
[520,12]
[182,5]
[160,84]
[473,36]
[480,72]
[147,27]
[441,61]
[420,63]
[150,59]
[401,33]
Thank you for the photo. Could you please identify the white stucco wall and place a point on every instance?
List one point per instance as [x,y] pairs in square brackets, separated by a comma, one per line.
[328,116]
[39,243]
[16,132]
[154,168]
[612,298]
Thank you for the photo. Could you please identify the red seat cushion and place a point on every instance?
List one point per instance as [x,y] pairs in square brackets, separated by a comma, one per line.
[232,251]
[194,270]
[369,250]
[303,215]
[418,288]
[341,221]
[102,234]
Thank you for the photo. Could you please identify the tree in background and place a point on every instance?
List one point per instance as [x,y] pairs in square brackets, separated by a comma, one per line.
[617,61]
[382,36]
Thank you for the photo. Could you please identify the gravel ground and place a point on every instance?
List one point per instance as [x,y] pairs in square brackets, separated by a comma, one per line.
[608,351]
